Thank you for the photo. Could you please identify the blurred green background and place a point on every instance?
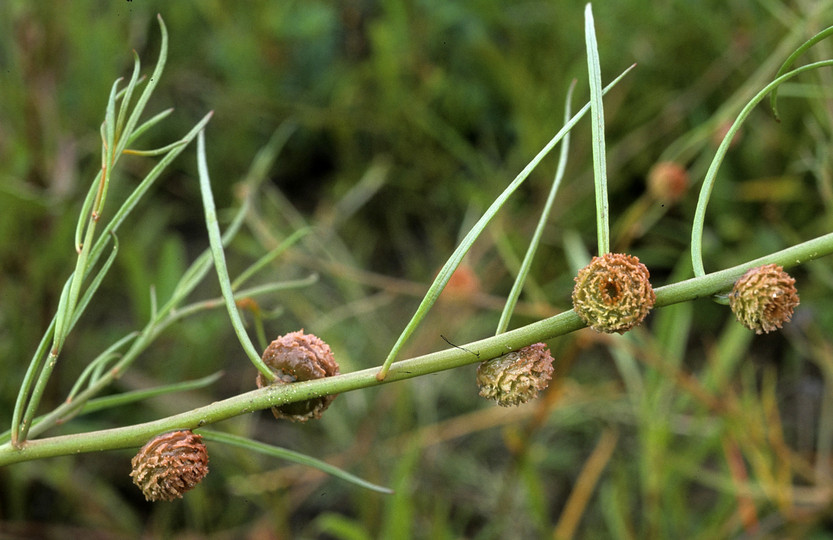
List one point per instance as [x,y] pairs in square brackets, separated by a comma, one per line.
[410,118]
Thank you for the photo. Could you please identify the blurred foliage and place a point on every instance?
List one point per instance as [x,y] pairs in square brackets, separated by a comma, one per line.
[411,116]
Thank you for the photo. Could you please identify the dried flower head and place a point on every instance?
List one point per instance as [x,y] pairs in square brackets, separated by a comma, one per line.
[612,293]
[763,298]
[516,377]
[299,357]
[169,465]
[667,182]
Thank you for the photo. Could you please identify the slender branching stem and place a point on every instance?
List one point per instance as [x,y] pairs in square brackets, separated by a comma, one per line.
[477,351]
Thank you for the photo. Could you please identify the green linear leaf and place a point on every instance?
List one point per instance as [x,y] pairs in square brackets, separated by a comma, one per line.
[108,354]
[269,257]
[791,60]
[126,398]
[597,123]
[711,175]
[82,304]
[290,455]
[517,287]
[219,257]
[139,131]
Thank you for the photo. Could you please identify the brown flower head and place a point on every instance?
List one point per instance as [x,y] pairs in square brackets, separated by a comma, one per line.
[516,377]
[612,293]
[763,298]
[169,465]
[299,357]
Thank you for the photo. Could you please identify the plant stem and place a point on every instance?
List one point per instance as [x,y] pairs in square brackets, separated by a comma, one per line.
[477,351]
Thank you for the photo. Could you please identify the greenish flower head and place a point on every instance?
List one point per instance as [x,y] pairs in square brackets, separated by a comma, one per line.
[613,293]
[516,377]
[764,298]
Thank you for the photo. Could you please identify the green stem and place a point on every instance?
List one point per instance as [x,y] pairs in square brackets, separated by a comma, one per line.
[69,309]
[492,347]
[166,316]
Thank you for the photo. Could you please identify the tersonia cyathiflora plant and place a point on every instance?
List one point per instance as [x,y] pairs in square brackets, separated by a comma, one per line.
[121,129]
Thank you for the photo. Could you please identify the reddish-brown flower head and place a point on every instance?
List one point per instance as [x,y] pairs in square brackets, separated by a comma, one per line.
[516,377]
[613,293]
[667,181]
[169,465]
[764,298]
[299,357]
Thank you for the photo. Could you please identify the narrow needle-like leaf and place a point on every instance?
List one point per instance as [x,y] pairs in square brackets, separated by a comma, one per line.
[791,60]
[290,455]
[517,287]
[711,175]
[219,256]
[597,123]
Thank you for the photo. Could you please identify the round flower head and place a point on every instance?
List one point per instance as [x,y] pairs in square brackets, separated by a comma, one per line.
[299,357]
[516,377]
[763,298]
[667,182]
[612,293]
[169,465]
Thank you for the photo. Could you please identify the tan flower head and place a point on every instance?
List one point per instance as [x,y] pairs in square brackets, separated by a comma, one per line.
[169,465]
[299,357]
[516,377]
[613,293]
[764,298]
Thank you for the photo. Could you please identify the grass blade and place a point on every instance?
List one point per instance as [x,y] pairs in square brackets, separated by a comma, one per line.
[289,455]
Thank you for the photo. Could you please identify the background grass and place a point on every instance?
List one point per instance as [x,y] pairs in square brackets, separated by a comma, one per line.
[411,117]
